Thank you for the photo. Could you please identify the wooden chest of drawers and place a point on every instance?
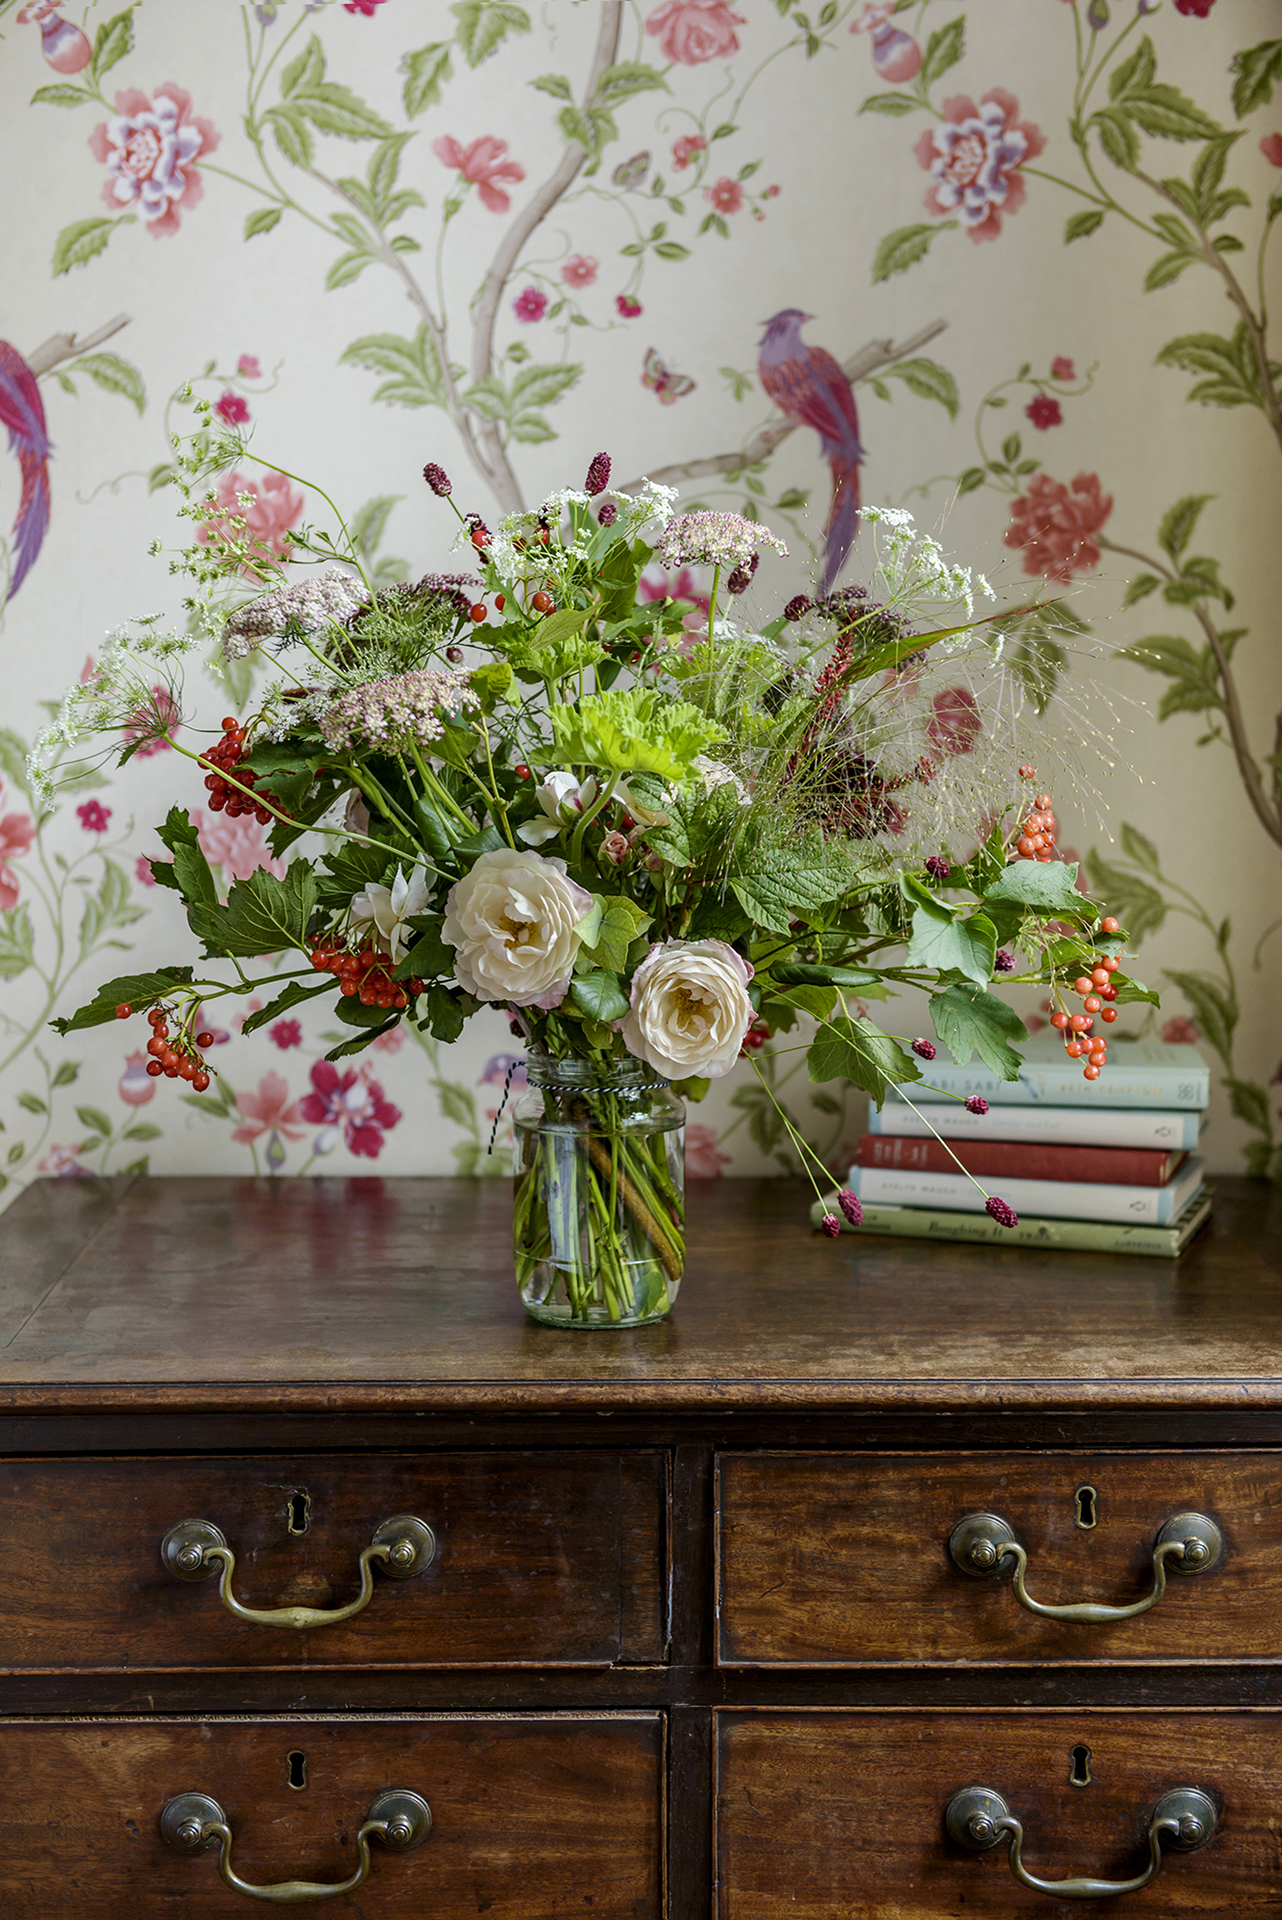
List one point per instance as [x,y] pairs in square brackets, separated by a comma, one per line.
[880,1581]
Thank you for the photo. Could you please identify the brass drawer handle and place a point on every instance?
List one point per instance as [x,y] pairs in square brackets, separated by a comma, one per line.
[1188,1543]
[194,1550]
[193,1822]
[978,1818]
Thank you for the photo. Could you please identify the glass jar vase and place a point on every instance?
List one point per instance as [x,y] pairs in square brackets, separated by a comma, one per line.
[599,1213]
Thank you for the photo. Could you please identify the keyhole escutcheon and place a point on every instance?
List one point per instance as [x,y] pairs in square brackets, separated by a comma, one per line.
[296,1766]
[1085,1503]
[299,1509]
[1079,1770]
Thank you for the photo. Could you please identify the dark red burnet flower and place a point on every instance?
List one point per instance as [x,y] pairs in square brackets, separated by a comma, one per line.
[937,867]
[850,1206]
[1044,411]
[1000,1211]
[741,578]
[924,1049]
[1005,961]
[798,607]
[438,480]
[598,475]
[976,1104]
[608,514]
[830,1225]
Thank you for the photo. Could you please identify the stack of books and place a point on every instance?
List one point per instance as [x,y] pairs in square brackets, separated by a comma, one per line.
[1109,1164]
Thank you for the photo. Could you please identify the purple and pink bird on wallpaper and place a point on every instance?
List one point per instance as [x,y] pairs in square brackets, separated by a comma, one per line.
[808,385]
[22,412]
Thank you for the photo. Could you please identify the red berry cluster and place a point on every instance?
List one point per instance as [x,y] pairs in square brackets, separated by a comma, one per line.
[178,1059]
[227,757]
[1037,835]
[755,1038]
[364,974]
[1094,990]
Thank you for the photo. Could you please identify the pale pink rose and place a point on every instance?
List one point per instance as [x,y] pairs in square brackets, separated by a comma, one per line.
[974,157]
[704,1159]
[689,1008]
[484,164]
[1056,529]
[268,1111]
[152,148]
[275,506]
[614,846]
[580,270]
[692,31]
[238,846]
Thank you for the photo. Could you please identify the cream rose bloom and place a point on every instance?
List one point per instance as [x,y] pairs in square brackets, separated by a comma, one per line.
[512,920]
[690,1009]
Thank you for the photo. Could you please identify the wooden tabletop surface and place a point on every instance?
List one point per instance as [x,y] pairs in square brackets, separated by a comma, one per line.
[221,1294]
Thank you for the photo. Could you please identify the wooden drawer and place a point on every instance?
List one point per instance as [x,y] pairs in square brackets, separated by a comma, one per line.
[841,1816]
[843,1559]
[547,1558]
[551,1815]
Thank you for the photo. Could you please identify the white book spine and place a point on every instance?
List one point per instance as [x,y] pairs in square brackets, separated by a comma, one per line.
[1053,1126]
[1057,1199]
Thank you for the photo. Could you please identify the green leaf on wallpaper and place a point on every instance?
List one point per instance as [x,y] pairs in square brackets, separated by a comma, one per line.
[1167,268]
[483,25]
[77,244]
[1078,225]
[1137,70]
[17,945]
[1139,848]
[331,107]
[348,267]
[369,523]
[136,990]
[109,371]
[904,247]
[13,760]
[1138,587]
[1216,1013]
[1037,657]
[1258,69]
[1140,907]
[59,96]
[304,70]
[113,40]
[1234,378]
[515,406]
[292,134]
[109,907]
[893,103]
[1179,522]
[928,380]
[412,364]
[94,1118]
[262,220]
[627,77]
[426,72]
[65,1072]
[554,83]
[944,49]
[1117,137]
[970,1020]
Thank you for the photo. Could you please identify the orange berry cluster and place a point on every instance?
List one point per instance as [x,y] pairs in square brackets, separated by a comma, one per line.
[222,795]
[1037,835]
[178,1059]
[1094,990]
[364,974]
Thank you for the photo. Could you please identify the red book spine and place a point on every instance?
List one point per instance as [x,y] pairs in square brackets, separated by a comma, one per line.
[1023,1160]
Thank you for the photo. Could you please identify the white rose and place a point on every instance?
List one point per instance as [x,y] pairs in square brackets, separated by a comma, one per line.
[513,920]
[690,1008]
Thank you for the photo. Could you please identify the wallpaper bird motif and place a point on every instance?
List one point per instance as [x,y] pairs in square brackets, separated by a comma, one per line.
[1008,265]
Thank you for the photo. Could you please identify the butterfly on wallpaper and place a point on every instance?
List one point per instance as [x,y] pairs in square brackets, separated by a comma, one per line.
[630,173]
[662,380]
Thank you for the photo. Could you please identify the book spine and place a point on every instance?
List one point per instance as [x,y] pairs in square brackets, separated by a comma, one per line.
[1061,1199]
[1178,1090]
[1022,1160]
[1105,1127]
[1087,1236]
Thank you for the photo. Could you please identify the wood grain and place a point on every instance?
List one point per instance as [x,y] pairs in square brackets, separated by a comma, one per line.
[840,1816]
[398,1294]
[843,1559]
[535,1562]
[546,1816]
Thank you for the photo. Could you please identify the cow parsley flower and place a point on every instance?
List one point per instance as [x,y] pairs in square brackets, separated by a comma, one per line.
[713,540]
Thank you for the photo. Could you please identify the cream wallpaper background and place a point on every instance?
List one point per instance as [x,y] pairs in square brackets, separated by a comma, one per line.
[754,120]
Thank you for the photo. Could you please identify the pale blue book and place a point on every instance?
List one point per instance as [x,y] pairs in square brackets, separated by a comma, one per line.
[1139,1073]
[1048,1199]
[1049,1126]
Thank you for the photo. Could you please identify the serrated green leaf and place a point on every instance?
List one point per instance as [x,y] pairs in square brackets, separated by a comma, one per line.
[622,921]
[59,96]
[781,884]
[426,71]
[969,1020]
[1138,70]
[599,995]
[1048,887]
[17,942]
[114,375]
[1168,114]
[1140,849]
[929,381]
[113,40]
[292,134]
[627,77]
[1117,137]
[484,24]
[1215,1012]
[1165,269]
[855,1050]
[262,915]
[904,248]
[332,108]
[262,220]
[1179,523]
[1258,69]
[942,940]
[892,103]
[446,1015]
[554,83]
[1079,225]
[944,49]
[133,989]
[1250,1103]
[77,244]
[305,71]
[347,267]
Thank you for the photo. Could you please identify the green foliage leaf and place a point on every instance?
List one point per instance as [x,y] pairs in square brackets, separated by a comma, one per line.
[554,83]
[13,761]
[1139,907]
[969,1020]
[65,1072]
[295,993]
[626,77]
[1166,268]
[855,1050]
[292,134]
[305,71]
[1257,70]
[621,922]
[262,914]
[781,884]
[113,40]
[599,995]
[944,49]
[109,371]
[892,103]
[1139,69]
[1137,847]
[446,1013]
[943,941]
[59,96]
[1079,225]
[1214,1011]
[426,72]
[1234,375]
[1046,888]
[633,731]
[1249,1101]
[904,248]
[1139,587]
[483,25]
[17,942]
[262,220]
[32,1103]
[142,1130]
[95,1119]
[134,989]
[415,371]
[191,872]
[77,244]
[929,381]
[369,523]
[109,907]
[1117,137]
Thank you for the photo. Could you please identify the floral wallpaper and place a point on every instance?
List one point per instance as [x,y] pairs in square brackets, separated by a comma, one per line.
[1007,264]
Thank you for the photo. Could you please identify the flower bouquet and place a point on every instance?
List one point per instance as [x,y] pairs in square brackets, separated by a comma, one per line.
[649,831]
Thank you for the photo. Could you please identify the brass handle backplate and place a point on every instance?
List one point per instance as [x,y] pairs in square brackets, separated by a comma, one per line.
[194,1822]
[196,1549]
[1188,1543]
[978,1817]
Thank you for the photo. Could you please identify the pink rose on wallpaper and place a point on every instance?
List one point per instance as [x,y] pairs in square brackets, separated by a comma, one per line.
[232,408]
[348,1105]
[954,725]
[483,164]
[672,586]
[1055,528]
[684,150]
[973,159]
[725,194]
[249,367]
[167,707]
[151,149]
[268,1111]
[1062,369]
[580,270]
[365,7]
[704,1159]
[238,846]
[275,506]
[135,1086]
[692,31]
[895,54]
[1044,411]
[17,831]
[1271,148]
[530,305]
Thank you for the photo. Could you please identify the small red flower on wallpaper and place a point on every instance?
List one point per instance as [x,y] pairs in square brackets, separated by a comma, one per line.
[1055,527]
[275,505]
[974,160]
[725,194]
[1198,8]
[152,149]
[93,816]
[1271,148]
[484,164]
[1062,369]
[627,307]
[692,31]
[580,270]
[232,408]
[684,150]
[1044,411]
[530,305]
